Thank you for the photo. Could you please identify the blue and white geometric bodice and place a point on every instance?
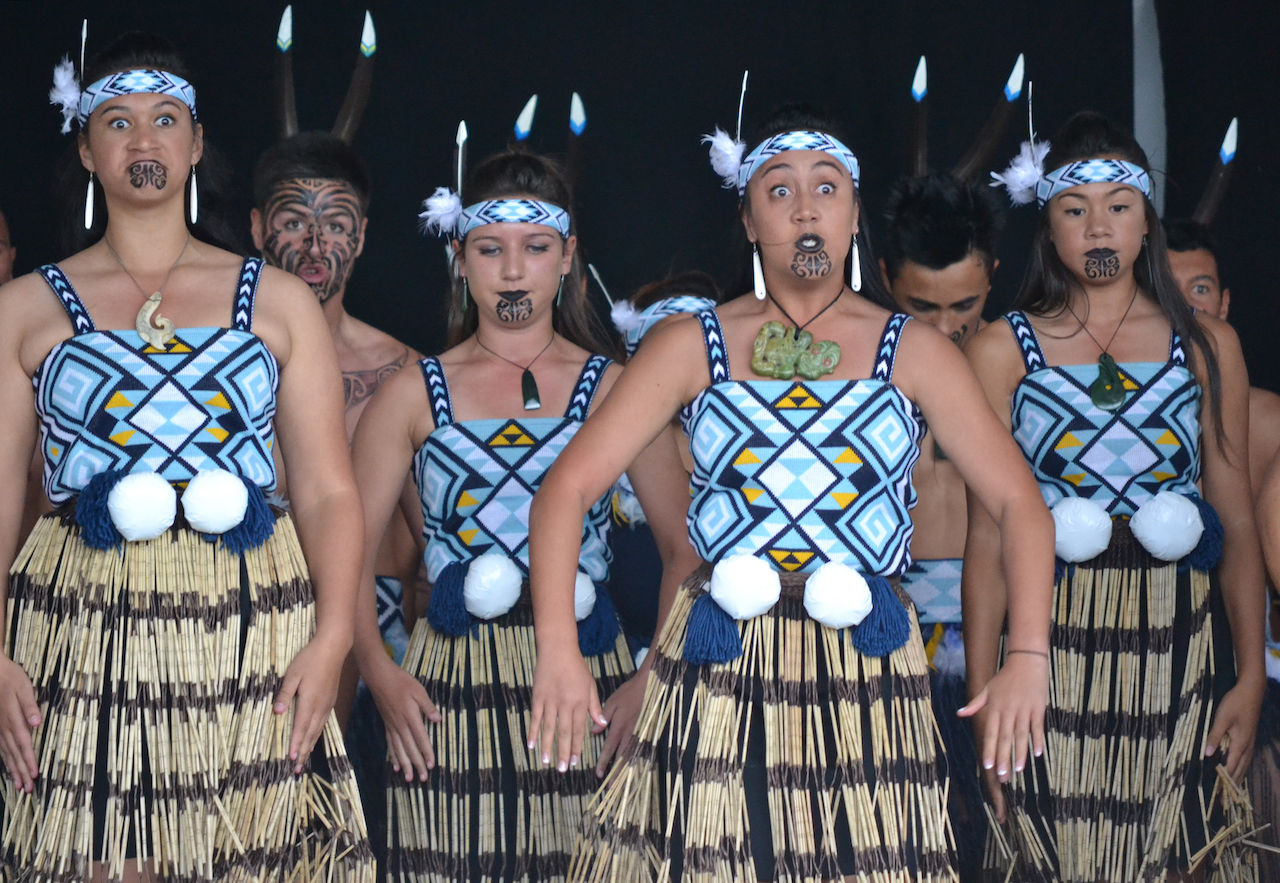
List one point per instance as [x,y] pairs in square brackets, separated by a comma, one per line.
[1119,459]
[477,478]
[108,400]
[934,586]
[800,472]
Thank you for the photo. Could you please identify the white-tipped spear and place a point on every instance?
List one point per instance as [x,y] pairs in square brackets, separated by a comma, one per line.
[284,34]
[84,38]
[600,282]
[989,138]
[920,129]
[742,100]
[577,115]
[1216,189]
[524,122]
[368,37]
[459,172]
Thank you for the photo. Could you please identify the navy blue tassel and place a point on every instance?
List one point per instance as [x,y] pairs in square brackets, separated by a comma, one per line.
[1208,552]
[1059,570]
[256,528]
[711,636]
[96,528]
[887,627]
[598,633]
[447,609]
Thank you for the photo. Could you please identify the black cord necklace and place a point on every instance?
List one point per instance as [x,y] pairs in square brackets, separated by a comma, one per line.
[798,326]
[782,353]
[528,386]
[1107,391]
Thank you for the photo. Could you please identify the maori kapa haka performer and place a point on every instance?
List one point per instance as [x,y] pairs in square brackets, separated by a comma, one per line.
[174,643]
[780,658]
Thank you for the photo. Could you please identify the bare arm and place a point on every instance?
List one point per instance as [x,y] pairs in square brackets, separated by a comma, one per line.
[954,403]
[666,372]
[393,426]
[1226,486]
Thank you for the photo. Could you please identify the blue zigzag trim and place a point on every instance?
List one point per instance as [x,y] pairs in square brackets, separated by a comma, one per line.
[713,337]
[437,391]
[1032,356]
[246,292]
[585,390]
[1176,353]
[887,351]
[67,296]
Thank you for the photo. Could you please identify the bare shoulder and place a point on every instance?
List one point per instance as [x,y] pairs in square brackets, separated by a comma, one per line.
[403,398]
[1264,409]
[371,348]
[279,291]
[611,375]
[32,320]
[1222,337]
[994,344]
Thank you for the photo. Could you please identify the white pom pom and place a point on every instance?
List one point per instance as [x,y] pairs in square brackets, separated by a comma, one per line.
[214,501]
[745,586]
[625,316]
[142,506]
[948,656]
[837,596]
[440,212]
[1024,172]
[1168,526]
[726,156]
[1082,529]
[66,92]
[584,596]
[643,653]
[492,585]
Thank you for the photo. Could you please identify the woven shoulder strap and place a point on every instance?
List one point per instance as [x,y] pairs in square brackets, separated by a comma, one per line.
[584,391]
[246,291]
[437,391]
[887,350]
[67,296]
[1028,345]
[713,338]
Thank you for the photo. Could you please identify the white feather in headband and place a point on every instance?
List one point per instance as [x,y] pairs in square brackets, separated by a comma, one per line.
[66,92]
[625,316]
[441,211]
[1024,172]
[726,156]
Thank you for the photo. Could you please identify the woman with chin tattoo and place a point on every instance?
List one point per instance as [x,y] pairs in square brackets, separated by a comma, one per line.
[173,643]
[787,731]
[1133,415]
[479,426]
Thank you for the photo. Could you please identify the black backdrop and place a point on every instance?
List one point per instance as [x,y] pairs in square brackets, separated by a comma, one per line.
[654,76]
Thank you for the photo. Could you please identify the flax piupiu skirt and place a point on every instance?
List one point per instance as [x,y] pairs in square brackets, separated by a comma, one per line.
[490,810]
[1140,656]
[155,666]
[802,760]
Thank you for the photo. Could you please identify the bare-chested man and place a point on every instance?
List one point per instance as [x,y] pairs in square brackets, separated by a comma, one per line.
[311,193]
[939,257]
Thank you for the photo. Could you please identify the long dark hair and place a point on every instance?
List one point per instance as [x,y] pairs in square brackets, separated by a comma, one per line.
[1047,283]
[135,51]
[797,117]
[515,173]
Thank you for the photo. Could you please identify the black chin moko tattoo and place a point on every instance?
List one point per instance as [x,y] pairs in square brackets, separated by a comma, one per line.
[148,173]
[515,306]
[1101,263]
[810,259]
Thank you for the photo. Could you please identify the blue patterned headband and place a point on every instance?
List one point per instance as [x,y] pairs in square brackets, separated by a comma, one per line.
[785,141]
[513,211]
[635,324]
[134,83]
[1092,171]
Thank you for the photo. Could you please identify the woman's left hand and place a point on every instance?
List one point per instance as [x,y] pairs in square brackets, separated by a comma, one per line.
[1015,701]
[1237,720]
[312,679]
[622,709]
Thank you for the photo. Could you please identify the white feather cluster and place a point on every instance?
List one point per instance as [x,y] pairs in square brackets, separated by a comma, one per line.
[726,156]
[1024,172]
[440,212]
[66,92]
[837,596]
[625,316]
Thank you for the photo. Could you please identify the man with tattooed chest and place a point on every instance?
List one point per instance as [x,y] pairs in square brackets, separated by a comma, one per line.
[311,193]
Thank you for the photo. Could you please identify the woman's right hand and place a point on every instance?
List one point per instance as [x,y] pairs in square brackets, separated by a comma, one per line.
[564,697]
[19,715]
[405,707]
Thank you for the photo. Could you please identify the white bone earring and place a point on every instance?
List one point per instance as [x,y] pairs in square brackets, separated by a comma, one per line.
[195,197]
[758,274]
[88,205]
[855,271]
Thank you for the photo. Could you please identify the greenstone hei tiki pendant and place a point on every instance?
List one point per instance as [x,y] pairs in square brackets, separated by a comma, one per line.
[1107,392]
[781,352]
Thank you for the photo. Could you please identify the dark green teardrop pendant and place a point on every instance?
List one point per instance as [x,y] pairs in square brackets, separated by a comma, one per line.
[529,390]
[1107,392]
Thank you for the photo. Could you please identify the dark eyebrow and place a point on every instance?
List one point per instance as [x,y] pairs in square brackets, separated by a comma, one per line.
[1204,276]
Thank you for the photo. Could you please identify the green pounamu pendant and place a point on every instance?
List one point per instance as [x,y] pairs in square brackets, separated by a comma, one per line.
[782,353]
[529,391]
[1107,392]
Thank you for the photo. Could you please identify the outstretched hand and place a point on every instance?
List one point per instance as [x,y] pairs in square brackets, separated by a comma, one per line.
[1014,701]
